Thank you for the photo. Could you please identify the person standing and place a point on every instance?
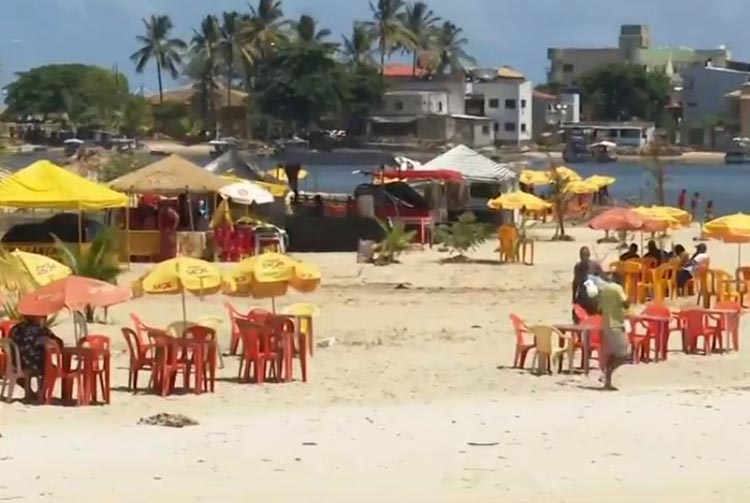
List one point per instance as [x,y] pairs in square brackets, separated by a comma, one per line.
[694,202]
[169,220]
[614,307]
[582,270]
[709,213]
[682,199]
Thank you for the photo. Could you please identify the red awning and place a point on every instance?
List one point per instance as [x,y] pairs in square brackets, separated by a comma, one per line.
[443,175]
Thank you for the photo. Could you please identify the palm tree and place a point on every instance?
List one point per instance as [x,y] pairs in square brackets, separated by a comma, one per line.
[420,20]
[358,48]
[450,44]
[157,45]
[264,29]
[388,25]
[229,45]
[306,33]
[205,45]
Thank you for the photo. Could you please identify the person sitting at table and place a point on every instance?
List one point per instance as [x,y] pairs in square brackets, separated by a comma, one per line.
[30,335]
[631,254]
[653,251]
[699,258]
[680,256]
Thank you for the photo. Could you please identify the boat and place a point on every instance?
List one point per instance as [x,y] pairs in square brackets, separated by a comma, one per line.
[222,146]
[576,150]
[604,151]
[739,152]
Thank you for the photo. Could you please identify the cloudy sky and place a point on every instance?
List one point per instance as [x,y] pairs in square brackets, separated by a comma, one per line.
[514,32]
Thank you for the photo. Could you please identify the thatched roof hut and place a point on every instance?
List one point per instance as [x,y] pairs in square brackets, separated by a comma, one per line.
[172,175]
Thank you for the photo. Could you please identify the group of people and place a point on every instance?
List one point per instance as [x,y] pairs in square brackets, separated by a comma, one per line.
[695,201]
[600,293]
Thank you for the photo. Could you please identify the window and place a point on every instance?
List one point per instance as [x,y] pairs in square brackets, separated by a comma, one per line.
[568,68]
[485,130]
[494,103]
[510,104]
[440,106]
[483,190]
[399,105]
[523,103]
[496,127]
[510,127]
[523,127]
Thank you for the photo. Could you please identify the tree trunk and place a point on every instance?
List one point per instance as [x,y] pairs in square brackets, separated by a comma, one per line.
[230,68]
[161,88]
[382,55]
[414,64]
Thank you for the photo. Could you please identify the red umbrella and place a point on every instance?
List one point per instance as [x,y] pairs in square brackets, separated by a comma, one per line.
[617,219]
[73,292]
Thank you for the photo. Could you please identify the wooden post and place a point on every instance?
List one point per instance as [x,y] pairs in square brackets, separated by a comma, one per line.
[80,230]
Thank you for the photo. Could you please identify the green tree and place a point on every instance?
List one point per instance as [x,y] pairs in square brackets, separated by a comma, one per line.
[263,30]
[205,48]
[396,241]
[621,92]
[421,21]
[364,92]
[388,26]
[451,48]
[230,47]
[158,46]
[80,92]
[358,48]
[308,34]
[136,117]
[464,235]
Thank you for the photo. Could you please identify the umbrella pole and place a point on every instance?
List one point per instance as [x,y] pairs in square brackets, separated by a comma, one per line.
[273,305]
[184,308]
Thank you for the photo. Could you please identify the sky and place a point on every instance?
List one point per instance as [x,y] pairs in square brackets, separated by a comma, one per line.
[511,32]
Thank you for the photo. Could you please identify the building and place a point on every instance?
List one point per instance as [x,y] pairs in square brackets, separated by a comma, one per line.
[550,111]
[704,103]
[624,134]
[504,96]
[738,110]
[568,65]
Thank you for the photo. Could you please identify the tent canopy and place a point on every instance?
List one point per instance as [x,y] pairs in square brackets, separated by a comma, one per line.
[46,185]
[170,176]
[472,165]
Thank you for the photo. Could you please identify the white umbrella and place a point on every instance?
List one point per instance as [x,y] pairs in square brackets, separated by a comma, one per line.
[246,192]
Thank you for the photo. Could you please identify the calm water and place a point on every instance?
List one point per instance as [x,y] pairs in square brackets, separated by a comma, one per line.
[727,186]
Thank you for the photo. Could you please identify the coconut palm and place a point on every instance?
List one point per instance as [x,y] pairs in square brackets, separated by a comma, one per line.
[358,48]
[451,45]
[205,48]
[230,47]
[264,29]
[421,21]
[307,34]
[388,26]
[158,46]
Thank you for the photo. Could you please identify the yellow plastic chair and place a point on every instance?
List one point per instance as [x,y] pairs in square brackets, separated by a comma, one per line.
[507,235]
[726,289]
[551,346]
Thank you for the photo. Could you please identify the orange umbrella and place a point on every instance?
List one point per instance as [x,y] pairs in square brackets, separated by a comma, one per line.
[74,293]
[617,219]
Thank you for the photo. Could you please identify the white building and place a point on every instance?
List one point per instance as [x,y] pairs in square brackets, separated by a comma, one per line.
[504,96]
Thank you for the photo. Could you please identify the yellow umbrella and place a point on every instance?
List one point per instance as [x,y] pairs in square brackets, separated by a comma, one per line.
[730,229]
[43,270]
[180,275]
[518,200]
[532,177]
[270,275]
[566,174]
[580,187]
[279,174]
[664,213]
[277,189]
[600,181]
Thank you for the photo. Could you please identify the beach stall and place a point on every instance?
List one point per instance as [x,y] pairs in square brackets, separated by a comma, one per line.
[44,185]
[189,189]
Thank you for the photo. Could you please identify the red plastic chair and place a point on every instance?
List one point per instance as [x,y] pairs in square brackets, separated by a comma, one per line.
[99,369]
[234,316]
[141,357]
[644,332]
[255,357]
[694,326]
[580,313]
[595,323]
[734,321]
[208,365]
[166,363]
[282,342]
[54,369]
[522,346]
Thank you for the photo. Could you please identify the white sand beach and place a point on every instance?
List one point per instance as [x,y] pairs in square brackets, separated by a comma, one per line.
[415,401]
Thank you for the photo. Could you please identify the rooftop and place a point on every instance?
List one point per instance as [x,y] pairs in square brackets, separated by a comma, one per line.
[402,70]
[187,94]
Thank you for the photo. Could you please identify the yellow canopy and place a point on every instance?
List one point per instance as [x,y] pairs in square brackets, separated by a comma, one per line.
[600,181]
[664,213]
[46,185]
[277,189]
[580,187]
[730,227]
[531,177]
[518,200]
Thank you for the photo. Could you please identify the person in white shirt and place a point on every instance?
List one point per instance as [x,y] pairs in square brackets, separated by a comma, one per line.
[699,258]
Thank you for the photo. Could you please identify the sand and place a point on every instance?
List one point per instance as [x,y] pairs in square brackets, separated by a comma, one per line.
[418,373]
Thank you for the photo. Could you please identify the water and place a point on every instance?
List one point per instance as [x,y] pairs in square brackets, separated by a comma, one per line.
[725,185]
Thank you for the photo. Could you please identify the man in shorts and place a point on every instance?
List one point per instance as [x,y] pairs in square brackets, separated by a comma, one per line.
[613,304]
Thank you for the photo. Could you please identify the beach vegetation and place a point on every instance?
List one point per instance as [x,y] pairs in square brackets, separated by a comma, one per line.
[357,49]
[560,198]
[158,45]
[421,22]
[463,235]
[396,240]
[388,25]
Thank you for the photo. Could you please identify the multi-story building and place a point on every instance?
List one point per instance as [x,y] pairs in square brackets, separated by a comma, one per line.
[568,65]
[504,96]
